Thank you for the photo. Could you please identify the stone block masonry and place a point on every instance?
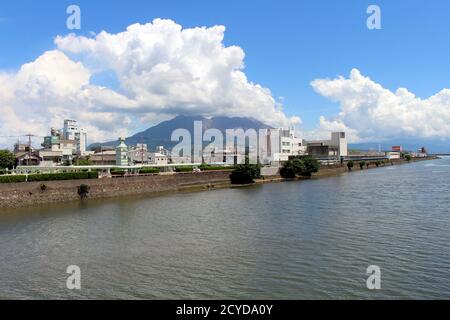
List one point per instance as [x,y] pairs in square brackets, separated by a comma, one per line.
[14,195]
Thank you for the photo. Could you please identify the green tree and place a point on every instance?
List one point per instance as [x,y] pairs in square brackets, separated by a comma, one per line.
[362,164]
[408,157]
[308,166]
[350,165]
[288,171]
[7,159]
[304,167]
[245,173]
[83,161]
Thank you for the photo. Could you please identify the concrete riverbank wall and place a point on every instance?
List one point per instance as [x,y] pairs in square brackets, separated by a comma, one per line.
[14,195]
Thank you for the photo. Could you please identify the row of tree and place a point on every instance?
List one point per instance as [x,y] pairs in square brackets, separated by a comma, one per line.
[247,173]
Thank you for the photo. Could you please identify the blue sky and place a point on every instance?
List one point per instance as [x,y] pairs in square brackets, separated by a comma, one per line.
[287,44]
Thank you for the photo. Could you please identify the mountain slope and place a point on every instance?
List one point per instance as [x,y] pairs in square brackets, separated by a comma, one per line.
[160,134]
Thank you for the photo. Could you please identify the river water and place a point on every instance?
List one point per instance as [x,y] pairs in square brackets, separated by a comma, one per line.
[295,240]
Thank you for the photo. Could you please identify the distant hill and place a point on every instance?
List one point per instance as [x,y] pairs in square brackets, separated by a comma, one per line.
[160,134]
[433,146]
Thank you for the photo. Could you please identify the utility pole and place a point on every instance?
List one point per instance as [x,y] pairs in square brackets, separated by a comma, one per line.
[29,147]
[142,151]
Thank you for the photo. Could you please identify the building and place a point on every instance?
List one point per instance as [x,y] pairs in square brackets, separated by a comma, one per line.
[158,158]
[335,148]
[320,150]
[139,154]
[421,153]
[281,144]
[103,158]
[27,158]
[223,156]
[64,145]
[122,153]
[20,147]
[72,131]
[393,155]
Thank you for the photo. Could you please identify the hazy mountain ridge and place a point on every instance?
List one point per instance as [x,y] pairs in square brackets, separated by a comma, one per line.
[160,134]
[433,146]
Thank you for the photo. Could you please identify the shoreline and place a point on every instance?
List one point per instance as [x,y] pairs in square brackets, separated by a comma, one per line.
[24,195]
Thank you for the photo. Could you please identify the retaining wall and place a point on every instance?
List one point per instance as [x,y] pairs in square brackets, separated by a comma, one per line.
[14,195]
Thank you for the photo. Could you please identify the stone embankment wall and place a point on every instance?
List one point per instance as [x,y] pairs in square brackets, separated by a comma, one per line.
[13,195]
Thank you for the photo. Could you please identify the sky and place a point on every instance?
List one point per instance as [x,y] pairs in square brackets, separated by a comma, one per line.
[312,64]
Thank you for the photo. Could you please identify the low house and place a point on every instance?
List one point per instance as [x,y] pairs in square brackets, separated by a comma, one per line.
[105,158]
[24,158]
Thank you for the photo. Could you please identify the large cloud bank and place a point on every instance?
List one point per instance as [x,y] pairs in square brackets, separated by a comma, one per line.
[370,112]
[159,70]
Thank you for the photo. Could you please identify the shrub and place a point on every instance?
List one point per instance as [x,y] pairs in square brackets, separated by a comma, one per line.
[118,172]
[13,178]
[350,165]
[362,164]
[2,172]
[288,171]
[207,167]
[149,170]
[43,187]
[408,157]
[184,169]
[83,191]
[245,174]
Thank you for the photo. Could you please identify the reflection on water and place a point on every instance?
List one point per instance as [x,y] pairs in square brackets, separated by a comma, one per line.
[311,239]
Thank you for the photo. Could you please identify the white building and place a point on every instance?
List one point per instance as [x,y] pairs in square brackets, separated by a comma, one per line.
[158,158]
[282,144]
[217,156]
[72,131]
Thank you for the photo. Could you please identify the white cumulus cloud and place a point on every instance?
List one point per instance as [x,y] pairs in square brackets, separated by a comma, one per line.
[161,70]
[371,112]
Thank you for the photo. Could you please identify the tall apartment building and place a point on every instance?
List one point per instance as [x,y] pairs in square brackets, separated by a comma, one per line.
[72,131]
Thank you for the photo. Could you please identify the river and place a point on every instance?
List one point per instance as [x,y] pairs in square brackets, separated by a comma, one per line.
[294,240]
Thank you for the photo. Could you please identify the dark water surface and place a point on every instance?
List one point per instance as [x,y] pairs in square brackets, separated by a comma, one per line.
[294,240]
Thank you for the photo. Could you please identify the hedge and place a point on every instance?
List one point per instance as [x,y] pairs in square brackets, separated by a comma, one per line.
[149,170]
[214,168]
[63,176]
[117,172]
[184,169]
[49,177]
[12,178]
[3,171]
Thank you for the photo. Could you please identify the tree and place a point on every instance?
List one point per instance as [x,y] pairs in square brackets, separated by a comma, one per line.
[350,165]
[362,164]
[7,159]
[245,173]
[288,171]
[83,161]
[408,157]
[83,191]
[304,167]
[308,165]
